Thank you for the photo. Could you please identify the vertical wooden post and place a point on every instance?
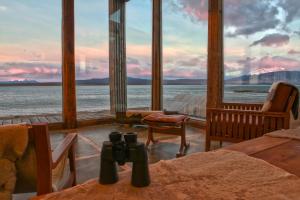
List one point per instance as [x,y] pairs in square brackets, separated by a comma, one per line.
[157,75]
[215,54]
[68,65]
[117,59]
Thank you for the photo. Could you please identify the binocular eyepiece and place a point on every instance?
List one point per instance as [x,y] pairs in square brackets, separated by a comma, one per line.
[115,137]
[122,148]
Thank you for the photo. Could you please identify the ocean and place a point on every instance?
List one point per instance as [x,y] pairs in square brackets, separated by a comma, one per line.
[34,100]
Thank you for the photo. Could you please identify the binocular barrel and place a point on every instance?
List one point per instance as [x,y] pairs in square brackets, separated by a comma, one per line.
[119,151]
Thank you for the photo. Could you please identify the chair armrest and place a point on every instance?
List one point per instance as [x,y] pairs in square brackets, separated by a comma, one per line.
[63,148]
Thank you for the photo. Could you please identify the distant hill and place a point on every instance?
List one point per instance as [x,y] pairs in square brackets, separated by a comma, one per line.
[140,81]
[265,78]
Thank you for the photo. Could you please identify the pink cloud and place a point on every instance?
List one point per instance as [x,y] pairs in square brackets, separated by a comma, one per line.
[197,10]
[275,40]
[36,71]
[262,65]
[293,52]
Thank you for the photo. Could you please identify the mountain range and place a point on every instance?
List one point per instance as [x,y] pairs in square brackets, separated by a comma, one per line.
[265,78]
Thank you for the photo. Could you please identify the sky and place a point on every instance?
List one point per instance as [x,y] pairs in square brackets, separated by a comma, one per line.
[259,36]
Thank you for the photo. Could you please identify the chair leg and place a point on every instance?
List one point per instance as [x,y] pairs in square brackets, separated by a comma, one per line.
[184,145]
[207,144]
[221,143]
[150,137]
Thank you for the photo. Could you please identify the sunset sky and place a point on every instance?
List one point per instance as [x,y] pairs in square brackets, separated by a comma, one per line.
[260,36]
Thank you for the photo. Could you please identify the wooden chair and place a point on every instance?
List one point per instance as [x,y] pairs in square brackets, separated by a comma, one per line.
[39,157]
[236,122]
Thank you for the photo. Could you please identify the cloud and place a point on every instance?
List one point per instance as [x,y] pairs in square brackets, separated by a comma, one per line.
[36,71]
[190,62]
[249,16]
[291,7]
[274,39]
[297,32]
[181,72]
[3,8]
[244,17]
[133,61]
[262,65]
[275,63]
[197,10]
[293,52]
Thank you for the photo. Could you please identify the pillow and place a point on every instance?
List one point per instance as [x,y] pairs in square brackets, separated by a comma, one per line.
[278,97]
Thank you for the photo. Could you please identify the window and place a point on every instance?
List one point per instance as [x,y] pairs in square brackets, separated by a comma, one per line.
[138,50]
[261,46]
[30,57]
[92,55]
[185,56]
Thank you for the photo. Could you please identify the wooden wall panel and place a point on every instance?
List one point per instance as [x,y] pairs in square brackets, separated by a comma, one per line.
[215,54]
[157,75]
[68,65]
[117,59]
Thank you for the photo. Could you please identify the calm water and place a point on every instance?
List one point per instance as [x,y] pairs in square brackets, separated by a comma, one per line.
[47,99]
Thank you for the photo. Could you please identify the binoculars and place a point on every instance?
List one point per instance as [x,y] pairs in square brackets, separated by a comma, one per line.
[119,150]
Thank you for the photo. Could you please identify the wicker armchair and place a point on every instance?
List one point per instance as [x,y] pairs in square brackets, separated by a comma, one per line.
[236,122]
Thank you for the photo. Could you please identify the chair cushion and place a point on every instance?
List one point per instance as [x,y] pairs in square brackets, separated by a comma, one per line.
[27,171]
[13,145]
[7,179]
[161,118]
[278,97]
[13,141]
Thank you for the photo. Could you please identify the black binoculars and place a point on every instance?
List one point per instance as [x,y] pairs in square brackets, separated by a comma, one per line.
[119,150]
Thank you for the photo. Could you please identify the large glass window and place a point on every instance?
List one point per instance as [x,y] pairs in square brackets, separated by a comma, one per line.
[185,56]
[92,55]
[261,46]
[30,57]
[138,50]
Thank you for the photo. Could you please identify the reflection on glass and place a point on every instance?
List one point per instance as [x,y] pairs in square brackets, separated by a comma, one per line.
[30,54]
[92,55]
[138,50]
[261,46]
[185,56]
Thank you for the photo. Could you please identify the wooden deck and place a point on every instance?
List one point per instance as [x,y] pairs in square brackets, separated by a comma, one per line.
[55,120]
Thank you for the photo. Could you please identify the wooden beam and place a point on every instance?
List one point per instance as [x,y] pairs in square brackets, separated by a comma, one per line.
[68,65]
[117,59]
[215,54]
[157,74]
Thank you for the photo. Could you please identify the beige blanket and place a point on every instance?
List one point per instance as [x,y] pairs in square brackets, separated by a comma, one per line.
[214,175]
[289,133]
[13,142]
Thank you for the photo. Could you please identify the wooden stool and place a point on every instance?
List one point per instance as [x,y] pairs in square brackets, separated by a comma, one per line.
[167,124]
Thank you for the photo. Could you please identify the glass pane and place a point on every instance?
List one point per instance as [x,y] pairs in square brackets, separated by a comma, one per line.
[138,52]
[262,43]
[30,57]
[185,56]
[92,51]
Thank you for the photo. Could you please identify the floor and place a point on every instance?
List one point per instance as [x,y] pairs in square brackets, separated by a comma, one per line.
[90,140]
